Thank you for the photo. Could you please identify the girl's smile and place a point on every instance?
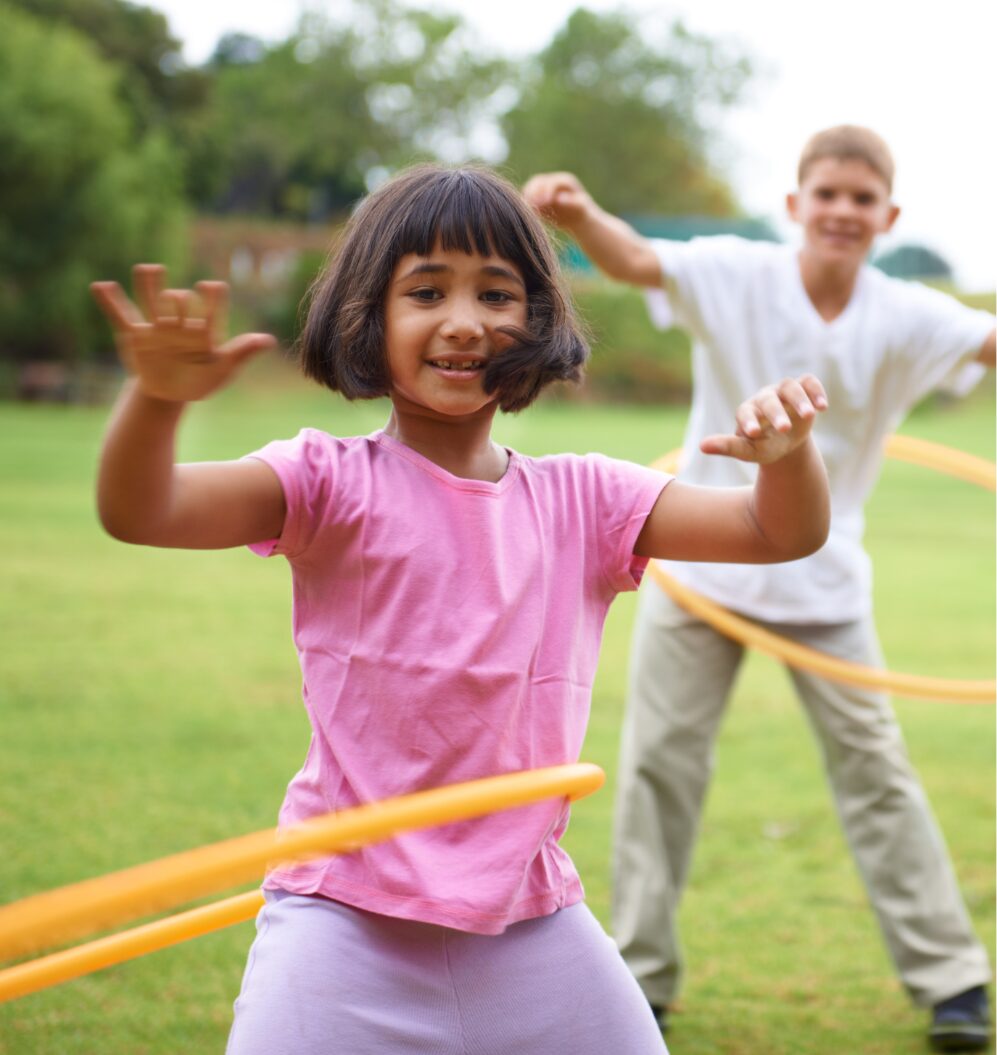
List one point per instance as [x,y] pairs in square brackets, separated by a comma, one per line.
[444,316]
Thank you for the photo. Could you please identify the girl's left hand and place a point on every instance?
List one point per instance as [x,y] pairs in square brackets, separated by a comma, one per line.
[174,345]
[773,422]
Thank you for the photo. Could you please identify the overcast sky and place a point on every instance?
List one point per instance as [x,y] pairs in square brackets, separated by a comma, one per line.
[920,74]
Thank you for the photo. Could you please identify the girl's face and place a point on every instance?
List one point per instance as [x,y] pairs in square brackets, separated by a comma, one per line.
[442,313]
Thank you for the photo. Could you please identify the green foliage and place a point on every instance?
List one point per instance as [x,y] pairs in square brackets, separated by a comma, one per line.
[137,39]
[104,131]
[158,91]
[430,80]
[632,361]
[83,198]
[624,108]
[302,128]
[285,135]
[285,317]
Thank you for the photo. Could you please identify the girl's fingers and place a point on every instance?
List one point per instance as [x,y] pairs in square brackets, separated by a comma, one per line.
[147,281]
[780,408]
[246,345]
[777,410]
[796,399]
[214,299]
[815,390]
[113,302]
[750,419]
[731,446]
[174,306]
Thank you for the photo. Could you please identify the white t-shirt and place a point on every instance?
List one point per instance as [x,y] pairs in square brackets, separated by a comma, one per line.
[753,324]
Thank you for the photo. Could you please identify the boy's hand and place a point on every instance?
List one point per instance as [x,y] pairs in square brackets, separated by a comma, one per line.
[173,345]
[559,197]
[774,422]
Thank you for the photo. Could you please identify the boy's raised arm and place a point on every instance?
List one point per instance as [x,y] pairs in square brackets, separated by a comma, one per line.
[785,516]
[173,351]
[612,245]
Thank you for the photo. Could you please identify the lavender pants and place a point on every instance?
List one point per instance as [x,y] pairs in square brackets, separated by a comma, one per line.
[324,979]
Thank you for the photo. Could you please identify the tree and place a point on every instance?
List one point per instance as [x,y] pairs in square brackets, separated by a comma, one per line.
[431,81]
[159,92]
[283,136]
[154,82]
[82,196]
[626,109]
[303,128]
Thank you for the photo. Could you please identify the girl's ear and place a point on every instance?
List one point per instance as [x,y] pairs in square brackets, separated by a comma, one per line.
[793,206]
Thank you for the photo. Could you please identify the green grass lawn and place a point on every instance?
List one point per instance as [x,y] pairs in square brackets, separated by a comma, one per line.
[149,702]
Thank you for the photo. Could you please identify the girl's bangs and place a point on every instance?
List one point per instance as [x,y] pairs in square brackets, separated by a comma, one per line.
[461,211]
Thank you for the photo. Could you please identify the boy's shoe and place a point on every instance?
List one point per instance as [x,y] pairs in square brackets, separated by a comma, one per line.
[961,1023]
[660,1016]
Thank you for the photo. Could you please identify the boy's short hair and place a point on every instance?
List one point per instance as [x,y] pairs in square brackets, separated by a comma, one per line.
[468,208]
[848,142]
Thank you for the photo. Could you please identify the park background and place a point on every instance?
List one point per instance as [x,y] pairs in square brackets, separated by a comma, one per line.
[149,699]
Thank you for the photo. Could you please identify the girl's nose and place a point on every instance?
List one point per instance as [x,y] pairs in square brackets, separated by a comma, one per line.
[462,324]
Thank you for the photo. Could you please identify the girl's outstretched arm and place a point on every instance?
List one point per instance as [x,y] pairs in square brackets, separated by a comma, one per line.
[786,514]
[174,351]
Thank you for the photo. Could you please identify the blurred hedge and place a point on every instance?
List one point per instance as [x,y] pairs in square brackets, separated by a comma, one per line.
[632,361]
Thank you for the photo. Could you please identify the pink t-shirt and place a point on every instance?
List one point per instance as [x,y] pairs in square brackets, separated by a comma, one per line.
[448,629]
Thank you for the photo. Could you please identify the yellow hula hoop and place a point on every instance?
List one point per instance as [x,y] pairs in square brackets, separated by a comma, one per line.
[905,448]
[46,971]
[66,913]
[945,459]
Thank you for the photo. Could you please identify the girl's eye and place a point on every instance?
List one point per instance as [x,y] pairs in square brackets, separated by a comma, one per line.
[425,293]
[497,296]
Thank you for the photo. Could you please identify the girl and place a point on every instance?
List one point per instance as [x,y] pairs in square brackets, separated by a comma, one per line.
[449,598]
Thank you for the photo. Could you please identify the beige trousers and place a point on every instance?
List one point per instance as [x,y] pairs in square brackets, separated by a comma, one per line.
[681,676]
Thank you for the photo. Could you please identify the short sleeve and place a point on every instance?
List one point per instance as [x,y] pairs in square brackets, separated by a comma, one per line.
[306,469]
[663,300]
[939,340]
[625,495]
[697,279]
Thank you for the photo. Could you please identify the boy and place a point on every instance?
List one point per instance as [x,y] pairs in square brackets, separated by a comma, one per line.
[760,310]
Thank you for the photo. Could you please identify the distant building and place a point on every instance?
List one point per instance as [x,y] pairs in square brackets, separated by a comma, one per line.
[255,255]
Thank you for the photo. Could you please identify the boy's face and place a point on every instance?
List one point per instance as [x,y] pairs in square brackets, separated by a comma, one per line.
[842,205]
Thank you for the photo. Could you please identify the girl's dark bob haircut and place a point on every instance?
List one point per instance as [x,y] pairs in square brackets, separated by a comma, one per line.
[471,209]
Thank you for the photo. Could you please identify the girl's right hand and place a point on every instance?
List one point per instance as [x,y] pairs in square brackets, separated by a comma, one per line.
[173,345]
[774,422]
[559,197]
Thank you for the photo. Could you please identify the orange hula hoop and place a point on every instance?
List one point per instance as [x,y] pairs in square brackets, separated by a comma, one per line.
[71,911]
[964,466]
